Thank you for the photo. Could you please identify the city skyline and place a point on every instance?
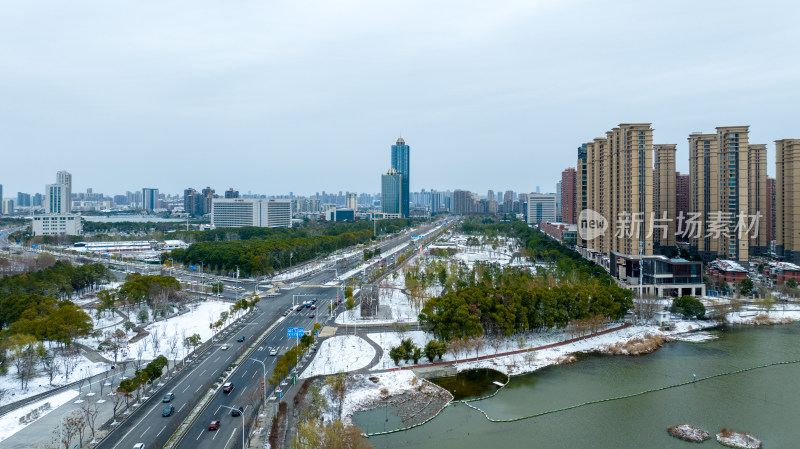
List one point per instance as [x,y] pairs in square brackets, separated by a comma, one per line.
[237,95]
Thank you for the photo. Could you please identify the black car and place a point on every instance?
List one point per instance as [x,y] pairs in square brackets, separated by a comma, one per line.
[168,397]
[237,411]
[227,387]
[240,339]
[168,411]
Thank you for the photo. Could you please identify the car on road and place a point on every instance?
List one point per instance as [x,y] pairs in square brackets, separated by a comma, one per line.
[168,411]
[313,307]
[168,397]
[314,301]
[227,387]
[273,351]
[237,411]
[240,339]
[312,315]
[224,347]
[214,425]
[138,446]
[299,308]
[287,312]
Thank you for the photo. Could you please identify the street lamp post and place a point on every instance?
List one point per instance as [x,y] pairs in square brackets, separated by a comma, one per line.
[242,415]
[264,379]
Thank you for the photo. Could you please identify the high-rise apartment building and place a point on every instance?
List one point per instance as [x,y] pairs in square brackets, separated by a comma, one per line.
[392,193]
[508,201]
[463,203]
[230,193]
[352,200]
[664,195]
[23,199]
[720,185]
[149,199]
[57,199]
[681,195]
[559,215]
[618,175]
[758,201]
[401,163]
[787,199]
[581,187]
[770,210]
[569,197]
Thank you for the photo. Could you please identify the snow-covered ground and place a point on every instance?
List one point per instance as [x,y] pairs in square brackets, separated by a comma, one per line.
[362,391]
[340,354]
[10,422]
[395,306]
[531,361]
[754,315]
[195,321]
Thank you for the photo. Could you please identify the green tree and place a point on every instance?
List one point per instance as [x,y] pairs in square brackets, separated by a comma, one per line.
[688,306]
[217,287]
[397,353]
[746,287]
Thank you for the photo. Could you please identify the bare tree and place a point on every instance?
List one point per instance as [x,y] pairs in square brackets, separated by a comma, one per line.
[140,349]
[69,360]
[646,307]
[155,339]
[90,411]
[117,397]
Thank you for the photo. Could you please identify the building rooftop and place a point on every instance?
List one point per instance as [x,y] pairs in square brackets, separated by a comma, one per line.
[728,265]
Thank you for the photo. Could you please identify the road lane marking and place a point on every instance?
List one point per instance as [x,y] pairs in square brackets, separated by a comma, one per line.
[198,388]
[145,430]
[184,390]
[182,406]
[245,373]
[215,434]
[254,374]
[159,432]
[217,412]
[229,438]
[201,374]
[201,434]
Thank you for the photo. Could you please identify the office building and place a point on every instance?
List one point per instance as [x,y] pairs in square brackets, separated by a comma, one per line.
[149,199]
[392,192]
[558,201]
[57,199]
[7,206]
[787,199]
[541,207]
[56,224]
[664,195]
[569,197]
[23,199]
[259,212]
[401,163]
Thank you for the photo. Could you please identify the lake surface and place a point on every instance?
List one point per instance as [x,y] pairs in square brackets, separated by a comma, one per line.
[764,402]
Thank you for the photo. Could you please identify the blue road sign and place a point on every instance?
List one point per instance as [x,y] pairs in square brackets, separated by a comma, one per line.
[192,267]
[294,332]
[34,246]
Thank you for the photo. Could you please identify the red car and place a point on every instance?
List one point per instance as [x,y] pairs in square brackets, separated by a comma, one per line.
[214,425]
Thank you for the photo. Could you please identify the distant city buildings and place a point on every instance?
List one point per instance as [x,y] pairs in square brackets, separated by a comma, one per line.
[401,163]
[58,219]
[392,192]
[149,199]
[541,208]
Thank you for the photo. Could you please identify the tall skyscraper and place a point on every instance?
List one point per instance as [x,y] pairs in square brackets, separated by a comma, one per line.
[230,193]
[559,215]
[581,186]
[664,194]
[149,199]
[787,199]
[541,207]
[1,192]
[58,196]
[569,197]
[463,203]
[391,193]
[681,195]
[352,200]
[401,163]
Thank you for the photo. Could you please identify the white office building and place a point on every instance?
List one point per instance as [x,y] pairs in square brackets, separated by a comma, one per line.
[541,206]
[239,212]
[56,224]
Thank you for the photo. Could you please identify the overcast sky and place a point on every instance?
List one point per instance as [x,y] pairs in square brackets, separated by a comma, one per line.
[278,96]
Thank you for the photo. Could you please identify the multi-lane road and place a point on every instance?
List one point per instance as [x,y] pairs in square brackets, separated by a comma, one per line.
[147,426]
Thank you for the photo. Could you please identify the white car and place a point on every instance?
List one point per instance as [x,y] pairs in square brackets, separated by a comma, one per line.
[224,347]
[138,446]
[274,351]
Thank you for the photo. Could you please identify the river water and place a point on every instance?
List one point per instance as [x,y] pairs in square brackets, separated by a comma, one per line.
[763,402]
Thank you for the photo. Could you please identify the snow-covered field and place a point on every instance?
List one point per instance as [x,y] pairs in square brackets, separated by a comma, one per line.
[40,384]
[752,315]
[362,391]
[395,306]
[340,354]
[10,422]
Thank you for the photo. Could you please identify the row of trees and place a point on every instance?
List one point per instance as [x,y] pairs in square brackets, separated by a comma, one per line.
[408,350]
[143,377]
[262,251]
